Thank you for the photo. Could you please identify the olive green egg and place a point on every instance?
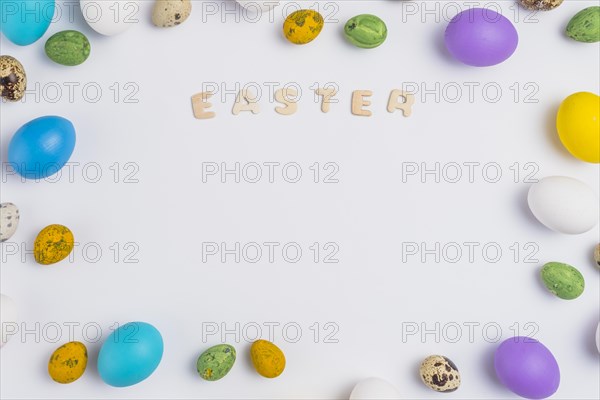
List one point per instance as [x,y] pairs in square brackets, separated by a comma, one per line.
[565,281]
[68,48]
[585,25]
[216,362]
[365,31]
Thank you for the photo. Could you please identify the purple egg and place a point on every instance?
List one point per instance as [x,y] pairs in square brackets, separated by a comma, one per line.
[481,37]
[527,368]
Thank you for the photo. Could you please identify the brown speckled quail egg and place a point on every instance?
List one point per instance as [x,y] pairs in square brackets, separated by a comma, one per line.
[440,374]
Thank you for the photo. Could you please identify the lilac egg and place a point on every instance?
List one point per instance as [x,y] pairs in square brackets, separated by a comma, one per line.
[481,37]
[527,367]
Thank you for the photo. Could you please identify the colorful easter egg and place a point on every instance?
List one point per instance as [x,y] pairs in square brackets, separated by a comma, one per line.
[366,31]
[68,362]
[527,368]
[578,126]
[54,243]
[130,354]
[25,21]
[585,25]
[563,280]
[216,362]
[68,48]
[268,359]
[41,147]
[481,37]
[303,26]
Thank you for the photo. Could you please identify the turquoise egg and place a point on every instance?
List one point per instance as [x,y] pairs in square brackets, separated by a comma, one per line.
[130,354]
[23,22]
[41,147]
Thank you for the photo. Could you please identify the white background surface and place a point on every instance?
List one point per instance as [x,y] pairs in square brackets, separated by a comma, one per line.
[371,293]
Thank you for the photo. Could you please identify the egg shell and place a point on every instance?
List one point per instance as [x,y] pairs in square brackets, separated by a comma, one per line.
[365,31]
[9,220]
[112,17]
[216,362]
[578,126]
[170,13]
[597,256]
[563,280]
[439,373]
[68,362]
[13,80]
[25,21]
[68,48]
[259,5]
[527,368]
[481,37]
[8,318]
[303,26]
[585,25]
[374,389]
[268,359]
[541,5]
[41,147]
[53,244]
[564,204]
[130,354]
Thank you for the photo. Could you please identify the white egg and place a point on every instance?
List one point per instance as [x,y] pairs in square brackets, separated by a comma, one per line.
[110,17]
[8,318]
[564,204]
[374,389]
[258,5]
[598,337]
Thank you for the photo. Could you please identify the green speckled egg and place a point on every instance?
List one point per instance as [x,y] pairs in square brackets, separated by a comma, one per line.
[597,256]
[68,48]
[366,31]
[563,280]
[216,362]
[585,25]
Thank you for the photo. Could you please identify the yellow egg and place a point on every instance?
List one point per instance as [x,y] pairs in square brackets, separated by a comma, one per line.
[268,359]
[68,362]
[578,125]
[53,244]
[302,26]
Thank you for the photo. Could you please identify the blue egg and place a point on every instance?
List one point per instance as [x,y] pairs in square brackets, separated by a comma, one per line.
[41,147]
[130,354]
[23,22]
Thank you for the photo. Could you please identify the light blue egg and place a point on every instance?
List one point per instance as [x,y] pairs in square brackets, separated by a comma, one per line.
[130,354]
[23,22]
[41,147]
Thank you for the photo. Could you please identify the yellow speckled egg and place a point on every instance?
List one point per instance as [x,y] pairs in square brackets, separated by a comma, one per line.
[54,243]
[68,362]
[302,26]
[578,125]
[268,359]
